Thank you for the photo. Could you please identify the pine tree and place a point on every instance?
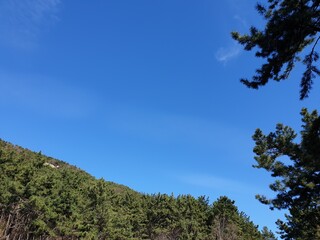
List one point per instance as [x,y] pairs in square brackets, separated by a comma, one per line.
[267,234]
[292,26]
[225,220]
[298,180]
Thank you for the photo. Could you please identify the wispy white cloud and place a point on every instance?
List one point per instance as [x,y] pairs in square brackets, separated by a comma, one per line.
[21,21]
[242,21]
[44,96]
[225,54]
[232,49]
[216,183]
[175,128]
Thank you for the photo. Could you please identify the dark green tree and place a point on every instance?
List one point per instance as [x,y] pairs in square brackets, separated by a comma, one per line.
[290,36]
[225,220]
[291,27]
[296,167]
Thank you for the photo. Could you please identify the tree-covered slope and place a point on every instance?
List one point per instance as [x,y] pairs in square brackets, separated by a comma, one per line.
[44,198]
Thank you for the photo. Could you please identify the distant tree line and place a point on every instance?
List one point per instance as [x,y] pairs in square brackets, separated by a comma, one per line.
[43,198]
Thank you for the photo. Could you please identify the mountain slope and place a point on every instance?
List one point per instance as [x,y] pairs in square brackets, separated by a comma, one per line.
[44,198]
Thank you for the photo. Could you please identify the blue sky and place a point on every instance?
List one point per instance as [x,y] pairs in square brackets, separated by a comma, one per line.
[143,93]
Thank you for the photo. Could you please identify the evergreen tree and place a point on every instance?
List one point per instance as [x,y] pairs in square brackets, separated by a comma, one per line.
[290,35]
[291,27]
[267,234]
[225,220]
[298,180]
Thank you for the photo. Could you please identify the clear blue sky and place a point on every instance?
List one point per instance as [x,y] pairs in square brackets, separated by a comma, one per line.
[143,93]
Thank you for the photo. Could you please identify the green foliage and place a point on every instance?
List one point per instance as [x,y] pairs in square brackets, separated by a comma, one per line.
[43,198]
[228,223]
[291,26]
[290,35]
[225,219]
[298,182]
[267,234]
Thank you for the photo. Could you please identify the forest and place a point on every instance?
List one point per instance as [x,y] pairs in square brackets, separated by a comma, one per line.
[45,198]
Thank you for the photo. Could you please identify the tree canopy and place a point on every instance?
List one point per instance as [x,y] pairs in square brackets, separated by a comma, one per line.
[43,198]
[297,181]
[292,27]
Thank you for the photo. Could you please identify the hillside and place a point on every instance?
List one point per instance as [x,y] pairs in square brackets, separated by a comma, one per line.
[44,198]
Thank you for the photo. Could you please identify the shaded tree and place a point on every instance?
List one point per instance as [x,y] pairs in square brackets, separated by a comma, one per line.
[290,36]
[291,27]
